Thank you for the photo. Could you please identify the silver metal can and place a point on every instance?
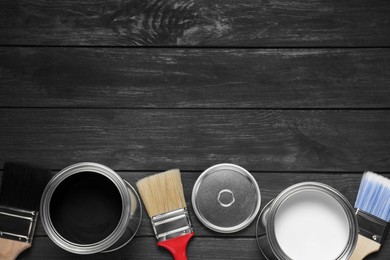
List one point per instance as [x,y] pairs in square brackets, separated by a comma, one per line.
[308,220]
[88,208]
[226,198]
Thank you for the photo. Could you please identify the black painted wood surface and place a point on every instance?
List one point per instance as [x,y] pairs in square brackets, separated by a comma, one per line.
[145,248]
[189,78]
[194,23]
[194,139]
[291,90]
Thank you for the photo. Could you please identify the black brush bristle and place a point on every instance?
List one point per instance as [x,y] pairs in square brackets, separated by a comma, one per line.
[22,185]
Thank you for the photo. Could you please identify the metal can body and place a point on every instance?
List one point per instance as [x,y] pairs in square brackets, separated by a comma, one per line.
[310,194]
[128,218]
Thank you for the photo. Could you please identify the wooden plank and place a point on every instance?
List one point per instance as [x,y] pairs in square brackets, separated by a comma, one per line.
[188,78]
[196,23]
[270,184]
[194,139]
[145,248]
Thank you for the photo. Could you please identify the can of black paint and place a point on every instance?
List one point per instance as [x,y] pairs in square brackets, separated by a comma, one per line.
[88,208]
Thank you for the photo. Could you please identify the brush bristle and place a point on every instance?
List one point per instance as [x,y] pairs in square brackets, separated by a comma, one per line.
[162,192]
[374,195]
[22,185]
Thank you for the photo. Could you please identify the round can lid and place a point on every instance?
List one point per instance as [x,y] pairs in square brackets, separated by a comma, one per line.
[226,198]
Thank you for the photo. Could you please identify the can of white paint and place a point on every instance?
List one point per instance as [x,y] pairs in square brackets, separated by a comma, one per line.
[307,221]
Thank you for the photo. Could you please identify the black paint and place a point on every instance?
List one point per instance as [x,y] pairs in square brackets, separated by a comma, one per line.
[86,208]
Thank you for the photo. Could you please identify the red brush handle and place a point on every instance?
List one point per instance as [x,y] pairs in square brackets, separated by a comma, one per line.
[177,246]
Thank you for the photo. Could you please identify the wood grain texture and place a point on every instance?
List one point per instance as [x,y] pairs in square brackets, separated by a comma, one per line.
[10,249]
[364,247]
[196,23]
[190,78]
[292,114]
[145,248]
[194,139]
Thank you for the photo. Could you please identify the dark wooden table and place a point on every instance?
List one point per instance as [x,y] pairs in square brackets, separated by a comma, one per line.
[292,90]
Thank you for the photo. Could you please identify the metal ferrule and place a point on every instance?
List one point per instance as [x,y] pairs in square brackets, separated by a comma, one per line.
[171,224]
[371,226]
[17,224]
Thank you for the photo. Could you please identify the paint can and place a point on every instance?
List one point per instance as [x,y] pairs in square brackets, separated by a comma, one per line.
[308,220]
[226,198]
[88,208]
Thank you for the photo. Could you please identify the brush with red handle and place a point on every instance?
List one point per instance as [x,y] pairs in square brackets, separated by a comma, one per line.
[163,197]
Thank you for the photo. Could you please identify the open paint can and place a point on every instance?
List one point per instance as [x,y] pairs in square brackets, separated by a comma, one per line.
[88,208]
[307,221]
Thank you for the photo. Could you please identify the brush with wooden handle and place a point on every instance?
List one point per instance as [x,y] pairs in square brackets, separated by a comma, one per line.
[163,197]
[21,190]
[373,214]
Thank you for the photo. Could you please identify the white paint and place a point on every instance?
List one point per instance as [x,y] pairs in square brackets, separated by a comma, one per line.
[312,225]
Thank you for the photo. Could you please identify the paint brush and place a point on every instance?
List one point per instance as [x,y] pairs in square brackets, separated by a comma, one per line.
[163,197]
[373,214]
[21,189]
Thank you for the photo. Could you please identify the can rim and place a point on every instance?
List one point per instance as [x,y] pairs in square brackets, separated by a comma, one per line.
[212,226]
[45,208]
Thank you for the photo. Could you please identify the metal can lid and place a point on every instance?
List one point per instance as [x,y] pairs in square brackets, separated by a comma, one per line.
[226,198]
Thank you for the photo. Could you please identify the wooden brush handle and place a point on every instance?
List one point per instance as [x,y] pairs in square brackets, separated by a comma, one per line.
[10,249]
[364,247]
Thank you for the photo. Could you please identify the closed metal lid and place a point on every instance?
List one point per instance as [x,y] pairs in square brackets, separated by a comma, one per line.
[226,198]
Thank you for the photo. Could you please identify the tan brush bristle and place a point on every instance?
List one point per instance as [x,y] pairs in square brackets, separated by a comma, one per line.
[162,192]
